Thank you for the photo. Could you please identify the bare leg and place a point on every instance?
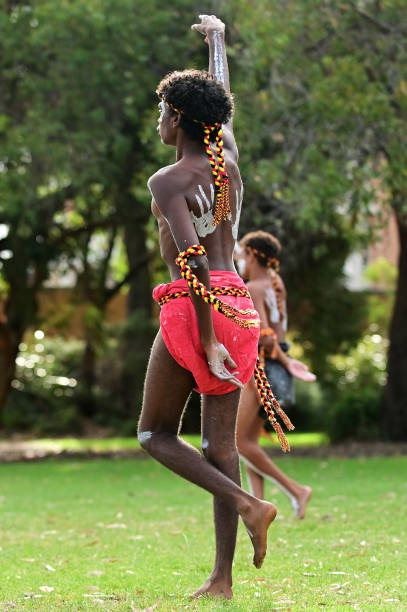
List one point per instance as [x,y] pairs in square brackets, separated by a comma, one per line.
[255,482]
[249,427]
[167,388]
[219,447]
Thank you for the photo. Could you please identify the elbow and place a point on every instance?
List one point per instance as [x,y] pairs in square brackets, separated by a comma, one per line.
[199,263]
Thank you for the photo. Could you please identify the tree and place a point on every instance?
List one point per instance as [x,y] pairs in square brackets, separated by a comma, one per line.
[77,85]
[328,82]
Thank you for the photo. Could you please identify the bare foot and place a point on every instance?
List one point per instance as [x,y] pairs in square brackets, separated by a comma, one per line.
[257,520]
[302,501]
[215,587]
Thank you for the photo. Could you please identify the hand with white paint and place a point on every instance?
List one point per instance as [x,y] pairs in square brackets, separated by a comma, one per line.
[209,23]
[218,357]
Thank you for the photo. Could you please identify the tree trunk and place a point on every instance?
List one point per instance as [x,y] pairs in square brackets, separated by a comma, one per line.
[20,313]
[88,365]
[139,331]
[8,353]
[395,396]
[139,297]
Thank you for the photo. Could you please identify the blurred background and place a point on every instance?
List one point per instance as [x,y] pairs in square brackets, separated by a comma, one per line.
[321,123]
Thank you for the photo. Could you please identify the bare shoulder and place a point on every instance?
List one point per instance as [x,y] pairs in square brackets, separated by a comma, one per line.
[166,183]
[256,287]
[281,284]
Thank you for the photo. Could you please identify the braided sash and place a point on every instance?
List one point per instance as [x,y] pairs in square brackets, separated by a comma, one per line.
[271,262]
[214,290]
[234,314]
[220,176]
[268,401]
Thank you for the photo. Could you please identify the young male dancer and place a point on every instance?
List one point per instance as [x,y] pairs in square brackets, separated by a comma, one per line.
[258,262]
[198,200]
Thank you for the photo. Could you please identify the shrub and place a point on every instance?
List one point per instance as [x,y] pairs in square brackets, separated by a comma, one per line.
[307,413]
[43,396]
[50,396]
[354,392]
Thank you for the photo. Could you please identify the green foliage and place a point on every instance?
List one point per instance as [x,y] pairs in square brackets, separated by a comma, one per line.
[321,115]
[380,308]
[321,124]
[77,88]
[382,272]
[365,364]
[49,396]
[43,397]
[356,415]
[316,120]
[309,410]
[354,396]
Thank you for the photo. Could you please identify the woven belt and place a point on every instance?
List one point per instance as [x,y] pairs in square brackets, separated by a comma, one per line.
[215,290]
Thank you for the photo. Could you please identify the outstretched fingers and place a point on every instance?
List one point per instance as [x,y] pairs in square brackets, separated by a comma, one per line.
[223,374]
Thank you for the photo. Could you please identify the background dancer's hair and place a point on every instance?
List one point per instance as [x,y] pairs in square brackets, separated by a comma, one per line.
[264,246]
[200,97]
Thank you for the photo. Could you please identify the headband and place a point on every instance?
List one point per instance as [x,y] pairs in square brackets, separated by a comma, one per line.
[271,262]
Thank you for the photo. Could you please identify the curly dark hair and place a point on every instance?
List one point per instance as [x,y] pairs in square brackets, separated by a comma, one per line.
[200,96]
[264,243]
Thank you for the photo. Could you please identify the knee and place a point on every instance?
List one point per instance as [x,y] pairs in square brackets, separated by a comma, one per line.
[247,448]
[219,454]
[154,442]
[243,444]
[145,439]
[246,442]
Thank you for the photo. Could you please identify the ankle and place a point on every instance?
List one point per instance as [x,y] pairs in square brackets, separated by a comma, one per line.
[245,505]
[223,576]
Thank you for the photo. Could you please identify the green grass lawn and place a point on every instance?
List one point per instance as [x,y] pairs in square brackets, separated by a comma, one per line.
[130,535]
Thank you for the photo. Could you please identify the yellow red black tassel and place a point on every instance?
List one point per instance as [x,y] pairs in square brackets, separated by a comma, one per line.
[221,179]
[269,402]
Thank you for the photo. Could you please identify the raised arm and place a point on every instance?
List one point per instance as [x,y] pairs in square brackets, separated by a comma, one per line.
[214,31]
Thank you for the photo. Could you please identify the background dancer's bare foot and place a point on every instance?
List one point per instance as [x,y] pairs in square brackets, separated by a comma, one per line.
[257,521]
[302,501]
[214,587]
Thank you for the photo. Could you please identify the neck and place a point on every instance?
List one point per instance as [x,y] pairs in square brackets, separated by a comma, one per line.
[259,273]
[186,147]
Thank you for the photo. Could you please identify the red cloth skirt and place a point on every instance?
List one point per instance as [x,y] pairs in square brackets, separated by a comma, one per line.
[180,331]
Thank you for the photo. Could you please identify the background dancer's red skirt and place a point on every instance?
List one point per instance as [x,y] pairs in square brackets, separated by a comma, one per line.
[180,331]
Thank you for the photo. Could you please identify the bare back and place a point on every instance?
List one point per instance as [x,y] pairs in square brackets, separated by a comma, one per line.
[193,180]
[269,297]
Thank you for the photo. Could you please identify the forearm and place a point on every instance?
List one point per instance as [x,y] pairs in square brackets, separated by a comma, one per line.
[218,63]
[202,309]
[281,356]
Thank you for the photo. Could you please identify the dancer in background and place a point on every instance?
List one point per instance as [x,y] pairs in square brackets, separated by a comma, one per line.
[258,264]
